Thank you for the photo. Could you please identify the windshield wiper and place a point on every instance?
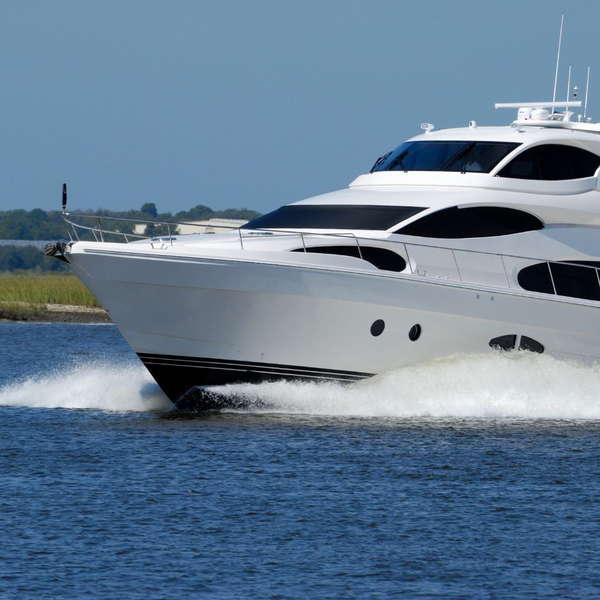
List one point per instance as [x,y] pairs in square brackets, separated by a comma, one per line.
[398,162]
[379,161]
[464,153]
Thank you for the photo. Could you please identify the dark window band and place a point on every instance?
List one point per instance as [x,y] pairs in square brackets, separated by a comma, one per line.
[333,216]
[480,221]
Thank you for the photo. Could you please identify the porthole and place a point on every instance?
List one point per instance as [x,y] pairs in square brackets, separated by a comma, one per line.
[504,342]
[530,345]
[509,342]
[377,327]
[415,333]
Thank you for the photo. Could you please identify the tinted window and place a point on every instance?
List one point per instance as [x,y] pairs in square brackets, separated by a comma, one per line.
[481,221]
[569,279]
[536,278]
[552,162]
[479,157]
[380,257]
[334,217]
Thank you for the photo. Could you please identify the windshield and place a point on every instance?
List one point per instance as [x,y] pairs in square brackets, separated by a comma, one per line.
[462,157]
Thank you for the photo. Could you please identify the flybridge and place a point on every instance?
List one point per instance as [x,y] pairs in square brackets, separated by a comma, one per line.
[536,114]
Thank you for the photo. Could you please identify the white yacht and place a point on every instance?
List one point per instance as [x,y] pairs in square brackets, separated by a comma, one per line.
[468,240]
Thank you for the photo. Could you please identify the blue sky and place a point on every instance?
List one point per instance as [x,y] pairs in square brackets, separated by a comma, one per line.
[256,104]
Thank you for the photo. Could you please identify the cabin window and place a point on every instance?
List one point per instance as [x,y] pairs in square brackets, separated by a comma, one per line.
[552,162]
[452,156]
[480,221]
[342,216]
[569,279]
[383,259]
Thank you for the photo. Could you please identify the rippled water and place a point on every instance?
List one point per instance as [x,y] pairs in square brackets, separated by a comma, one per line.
[472,477]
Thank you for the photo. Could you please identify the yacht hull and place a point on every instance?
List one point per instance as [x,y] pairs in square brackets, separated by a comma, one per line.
[199,322]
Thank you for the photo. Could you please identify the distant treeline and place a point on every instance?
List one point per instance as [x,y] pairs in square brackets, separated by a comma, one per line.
[29,258]
[39,224]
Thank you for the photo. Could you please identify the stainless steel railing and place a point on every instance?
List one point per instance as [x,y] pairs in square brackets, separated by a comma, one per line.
[100,230]
[99,227]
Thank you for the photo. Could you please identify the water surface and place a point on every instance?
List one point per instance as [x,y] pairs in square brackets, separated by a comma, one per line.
[473,477]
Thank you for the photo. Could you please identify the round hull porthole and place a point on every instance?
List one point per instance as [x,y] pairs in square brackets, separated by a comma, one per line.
[415,333]
[377,328]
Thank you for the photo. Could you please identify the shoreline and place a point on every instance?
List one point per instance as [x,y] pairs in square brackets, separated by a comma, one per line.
[52,313]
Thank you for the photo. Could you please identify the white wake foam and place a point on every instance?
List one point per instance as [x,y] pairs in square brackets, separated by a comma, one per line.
[521,385]
[495,385]
[97,385]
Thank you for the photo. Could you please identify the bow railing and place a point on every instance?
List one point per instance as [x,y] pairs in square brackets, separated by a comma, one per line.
[423,260]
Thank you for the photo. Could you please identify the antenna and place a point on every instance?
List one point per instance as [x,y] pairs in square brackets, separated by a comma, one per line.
[64,198]
[587,89]
[562,18]
[568,89]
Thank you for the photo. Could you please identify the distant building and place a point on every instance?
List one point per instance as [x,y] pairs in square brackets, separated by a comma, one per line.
[208,226]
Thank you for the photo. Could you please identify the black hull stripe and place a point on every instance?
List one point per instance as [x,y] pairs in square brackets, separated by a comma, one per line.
[287,373]
[240,366]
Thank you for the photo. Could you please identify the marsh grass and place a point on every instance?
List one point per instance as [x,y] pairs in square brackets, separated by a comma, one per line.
[39,290]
